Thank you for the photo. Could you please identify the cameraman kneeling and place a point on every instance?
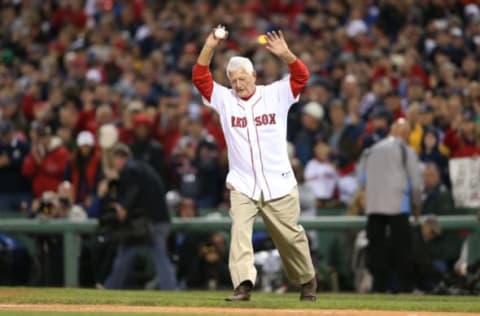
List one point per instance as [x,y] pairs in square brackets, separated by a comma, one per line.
[143,220]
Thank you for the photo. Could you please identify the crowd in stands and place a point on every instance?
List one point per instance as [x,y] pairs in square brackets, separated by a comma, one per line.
[77,77]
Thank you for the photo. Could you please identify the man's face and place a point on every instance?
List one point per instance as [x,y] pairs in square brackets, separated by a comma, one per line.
[379,123]
[337,115]
[45,141]
[119,163]
[392,103]
[426,118]
[242,82]
[309,122]
[85,150]
[427,232]
[142,131]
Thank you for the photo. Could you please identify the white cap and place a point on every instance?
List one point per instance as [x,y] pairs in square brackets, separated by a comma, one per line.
[440,24]
[85,138]
[350,78]
[356,27]
[471,10]
[135,105]
[93,75]
[314,109]
[456,31]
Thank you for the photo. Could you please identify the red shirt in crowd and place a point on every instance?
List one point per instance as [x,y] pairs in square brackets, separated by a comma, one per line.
[49,173]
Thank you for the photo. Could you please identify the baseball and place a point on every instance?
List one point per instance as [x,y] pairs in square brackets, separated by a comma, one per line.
[220,33]
[262,39]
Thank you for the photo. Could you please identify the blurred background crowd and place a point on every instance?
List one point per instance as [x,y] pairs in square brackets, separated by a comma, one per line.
[78,77]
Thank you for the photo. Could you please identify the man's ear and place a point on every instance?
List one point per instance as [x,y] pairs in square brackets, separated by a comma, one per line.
[254,74]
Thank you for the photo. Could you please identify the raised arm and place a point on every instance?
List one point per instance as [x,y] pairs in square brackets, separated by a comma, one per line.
[201,75]
[299,73]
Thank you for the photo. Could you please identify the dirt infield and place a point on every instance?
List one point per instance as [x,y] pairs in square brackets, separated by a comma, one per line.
[215,310]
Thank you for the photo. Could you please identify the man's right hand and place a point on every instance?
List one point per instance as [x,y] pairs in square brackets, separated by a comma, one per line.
[207,51]
[211,40]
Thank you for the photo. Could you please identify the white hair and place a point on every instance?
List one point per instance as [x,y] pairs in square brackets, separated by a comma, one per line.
[237,62]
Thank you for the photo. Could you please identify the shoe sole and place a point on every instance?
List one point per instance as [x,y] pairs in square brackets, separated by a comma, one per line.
[237,300]
[308,299]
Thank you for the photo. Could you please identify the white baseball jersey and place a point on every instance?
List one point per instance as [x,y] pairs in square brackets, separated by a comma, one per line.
[321,178]
[256,135]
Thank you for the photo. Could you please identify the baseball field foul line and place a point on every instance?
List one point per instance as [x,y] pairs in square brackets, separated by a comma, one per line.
[214,310]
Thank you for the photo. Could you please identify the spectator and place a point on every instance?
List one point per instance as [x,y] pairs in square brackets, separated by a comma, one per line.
[462,142]
[66,202]
[312,129]
[85,170]
[47,161]
[428,271]
[142,208]
[308,202]
[146,149]
[358,204]
[393,104]
[431,152]
[320,175]
[202,260]
[438,199]
[380,122]
[344,138]
[384,168]
[196,164]
[468,262]
[15,189]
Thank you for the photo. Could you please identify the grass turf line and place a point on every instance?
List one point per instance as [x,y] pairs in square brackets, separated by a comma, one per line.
[259,300]
[32,313]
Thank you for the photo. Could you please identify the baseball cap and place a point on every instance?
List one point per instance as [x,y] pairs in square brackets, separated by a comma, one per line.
[85,138]
[356,27]
[456,31]
[314,109]
[141,119]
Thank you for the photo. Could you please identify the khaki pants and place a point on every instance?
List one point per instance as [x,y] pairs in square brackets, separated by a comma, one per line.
[281,220]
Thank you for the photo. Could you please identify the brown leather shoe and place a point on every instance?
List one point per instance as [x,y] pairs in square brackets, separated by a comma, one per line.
[309,291]
[241,293]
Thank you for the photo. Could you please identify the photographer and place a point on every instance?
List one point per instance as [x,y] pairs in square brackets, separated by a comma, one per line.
[54,205]
[58,204]
[142,220]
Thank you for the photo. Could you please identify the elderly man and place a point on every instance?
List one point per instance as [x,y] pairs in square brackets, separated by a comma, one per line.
[254,119]
[390,172]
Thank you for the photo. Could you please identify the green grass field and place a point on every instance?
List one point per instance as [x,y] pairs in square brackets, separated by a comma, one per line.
[469,304]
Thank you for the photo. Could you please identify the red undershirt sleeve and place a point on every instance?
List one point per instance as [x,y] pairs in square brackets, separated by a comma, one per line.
[298,76]
[203,80]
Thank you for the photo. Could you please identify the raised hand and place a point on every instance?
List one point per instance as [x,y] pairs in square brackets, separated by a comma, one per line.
[208,49]
[213,41]
[278,46]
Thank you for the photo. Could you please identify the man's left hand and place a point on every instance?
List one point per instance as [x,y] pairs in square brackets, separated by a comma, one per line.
[277,45]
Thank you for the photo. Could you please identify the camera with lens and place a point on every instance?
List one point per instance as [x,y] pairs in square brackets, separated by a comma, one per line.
[46,206]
